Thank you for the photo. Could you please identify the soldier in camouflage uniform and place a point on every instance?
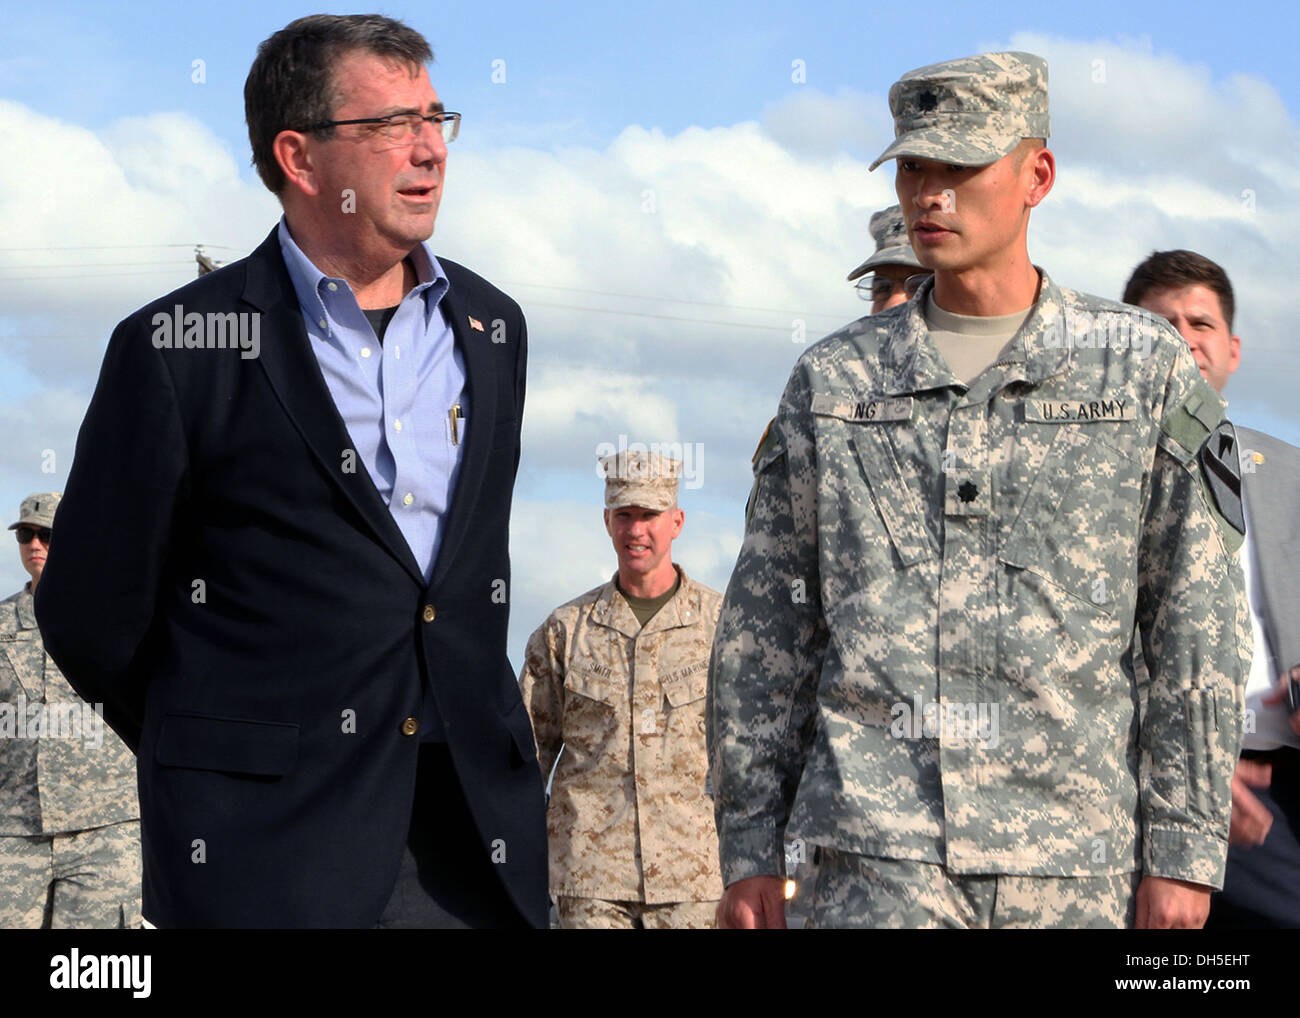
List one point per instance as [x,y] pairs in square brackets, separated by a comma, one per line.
[971,515]
[617,678]
[69,820]
[895,271]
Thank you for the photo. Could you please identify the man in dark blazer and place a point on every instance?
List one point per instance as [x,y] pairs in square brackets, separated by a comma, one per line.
[1262,882]
[283,563]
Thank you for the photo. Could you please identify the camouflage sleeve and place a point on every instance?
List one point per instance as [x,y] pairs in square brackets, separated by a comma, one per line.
[1195,632]
[541,684]
[767,651]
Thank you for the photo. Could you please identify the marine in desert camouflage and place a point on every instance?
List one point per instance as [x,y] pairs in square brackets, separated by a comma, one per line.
[617,678]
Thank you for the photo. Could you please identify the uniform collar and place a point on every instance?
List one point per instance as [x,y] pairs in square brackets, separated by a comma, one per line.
[682,609]
[910,361]
[26,605]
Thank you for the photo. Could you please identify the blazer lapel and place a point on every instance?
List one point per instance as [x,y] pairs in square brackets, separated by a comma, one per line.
[295,376]
[480,378]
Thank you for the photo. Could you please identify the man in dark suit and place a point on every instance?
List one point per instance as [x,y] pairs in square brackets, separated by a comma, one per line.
[282,561]
[1262,883]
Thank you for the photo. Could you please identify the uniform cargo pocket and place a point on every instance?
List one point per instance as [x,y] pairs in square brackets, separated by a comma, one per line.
[1208,768]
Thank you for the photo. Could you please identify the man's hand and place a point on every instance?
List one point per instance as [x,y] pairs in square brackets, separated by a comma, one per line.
[1164,904]
[1251,819]
[1279,695]
[754,904]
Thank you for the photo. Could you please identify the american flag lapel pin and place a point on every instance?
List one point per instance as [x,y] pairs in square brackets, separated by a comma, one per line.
[475,324]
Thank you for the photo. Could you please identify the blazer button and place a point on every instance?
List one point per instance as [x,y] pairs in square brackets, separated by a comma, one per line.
[429,613]
[410,726]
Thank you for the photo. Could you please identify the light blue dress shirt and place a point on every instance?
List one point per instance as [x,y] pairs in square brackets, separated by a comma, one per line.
[396,399]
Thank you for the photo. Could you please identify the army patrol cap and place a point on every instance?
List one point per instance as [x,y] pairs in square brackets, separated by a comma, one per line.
[38,510]
[968,112]
[637,478]
[892,246]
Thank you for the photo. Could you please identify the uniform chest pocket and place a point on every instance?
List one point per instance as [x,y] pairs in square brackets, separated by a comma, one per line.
[679,690]
[869,514]
[895,501]
[583,687]
[685,695]
[1080,523]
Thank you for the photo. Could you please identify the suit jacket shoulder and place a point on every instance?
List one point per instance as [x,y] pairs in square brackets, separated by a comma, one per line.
[1272,447]
[470,283]
[1270,478]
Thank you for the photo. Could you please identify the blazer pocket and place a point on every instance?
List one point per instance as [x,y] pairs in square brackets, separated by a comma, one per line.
[524,746]
[201,742]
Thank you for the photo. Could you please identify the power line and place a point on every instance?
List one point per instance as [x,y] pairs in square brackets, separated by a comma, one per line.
[673,300]
[92,275]
[170,267]
[116,247]
[537,286]
[666,318]
[91,265]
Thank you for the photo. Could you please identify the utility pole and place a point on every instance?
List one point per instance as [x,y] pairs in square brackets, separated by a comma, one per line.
[206,264]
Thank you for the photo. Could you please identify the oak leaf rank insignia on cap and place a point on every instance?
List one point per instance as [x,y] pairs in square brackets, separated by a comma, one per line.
[968,112]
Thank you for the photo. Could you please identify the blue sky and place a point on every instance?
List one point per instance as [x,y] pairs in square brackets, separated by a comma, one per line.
[597,67]
[637,161]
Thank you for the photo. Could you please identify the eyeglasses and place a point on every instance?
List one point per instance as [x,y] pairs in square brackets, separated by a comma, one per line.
[400,128]
[880,288]
[26,533]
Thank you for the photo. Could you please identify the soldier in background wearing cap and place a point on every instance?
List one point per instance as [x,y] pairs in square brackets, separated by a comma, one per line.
[69,819]
[895,272]
[617,678]
[967,503]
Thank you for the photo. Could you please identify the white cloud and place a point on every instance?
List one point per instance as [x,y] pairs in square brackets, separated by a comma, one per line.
[92,205]
[809,121]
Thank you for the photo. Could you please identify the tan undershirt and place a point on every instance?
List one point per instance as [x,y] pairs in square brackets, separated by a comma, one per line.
[645,608]
[970,343]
